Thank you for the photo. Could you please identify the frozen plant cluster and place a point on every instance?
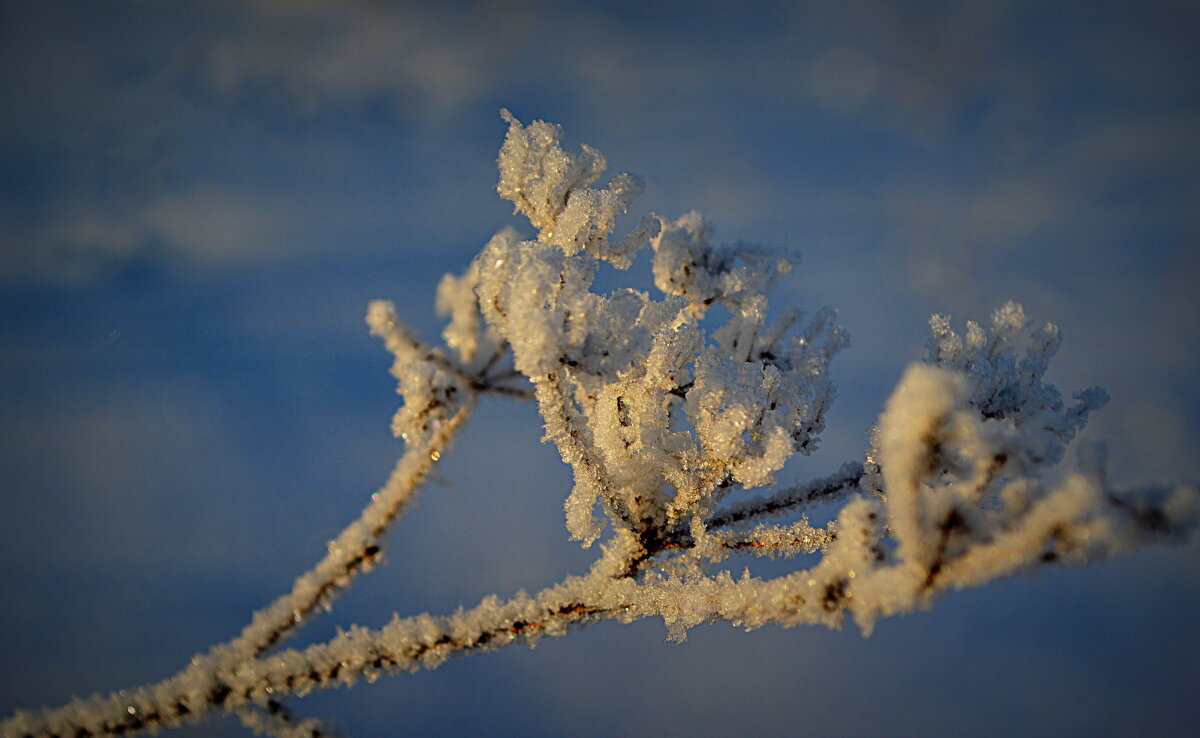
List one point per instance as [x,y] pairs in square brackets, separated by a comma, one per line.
[668,425]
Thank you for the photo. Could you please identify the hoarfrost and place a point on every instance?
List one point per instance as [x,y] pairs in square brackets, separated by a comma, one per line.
[666,428]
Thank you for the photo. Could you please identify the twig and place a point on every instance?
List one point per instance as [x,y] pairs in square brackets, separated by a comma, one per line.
[791,499]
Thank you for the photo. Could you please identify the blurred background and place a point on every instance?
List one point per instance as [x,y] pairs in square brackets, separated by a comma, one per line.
[197,200]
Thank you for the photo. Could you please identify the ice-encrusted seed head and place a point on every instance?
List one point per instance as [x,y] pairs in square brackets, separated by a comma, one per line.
[1005,366]
[657,421]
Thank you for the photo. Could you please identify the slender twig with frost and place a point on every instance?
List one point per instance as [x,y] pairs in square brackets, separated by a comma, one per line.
[667,426]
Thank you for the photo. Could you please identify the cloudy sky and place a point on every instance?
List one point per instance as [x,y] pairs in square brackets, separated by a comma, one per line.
[197,200]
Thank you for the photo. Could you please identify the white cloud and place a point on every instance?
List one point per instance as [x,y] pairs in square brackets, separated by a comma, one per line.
[1073,199]
[433,59]
[204,226]
[218,225]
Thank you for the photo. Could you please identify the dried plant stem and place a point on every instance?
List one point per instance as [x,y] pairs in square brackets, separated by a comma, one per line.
[199,688]
[356,548]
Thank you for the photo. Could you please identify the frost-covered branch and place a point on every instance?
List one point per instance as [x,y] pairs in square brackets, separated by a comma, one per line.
[796,498]
[355,550]
[277,721]
[437,403]
[675,411]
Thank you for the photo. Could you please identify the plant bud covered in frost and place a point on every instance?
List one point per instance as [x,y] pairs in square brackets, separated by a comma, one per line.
[1005,384]
[432,390]
[686,264]
[550,187]
[472,341]
[620,376]
[537,175]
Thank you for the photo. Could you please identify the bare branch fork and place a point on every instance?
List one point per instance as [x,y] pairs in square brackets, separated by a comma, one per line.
[666,427]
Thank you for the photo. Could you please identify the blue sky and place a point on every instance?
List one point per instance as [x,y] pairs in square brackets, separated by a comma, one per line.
[197,200]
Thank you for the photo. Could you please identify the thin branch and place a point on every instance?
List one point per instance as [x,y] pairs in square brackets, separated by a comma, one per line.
[354,551]
[762,540]
[404,644]
[791,499]
[773,540]
[520,393]
[277,721]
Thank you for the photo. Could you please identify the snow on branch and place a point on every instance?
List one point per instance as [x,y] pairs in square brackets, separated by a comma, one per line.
[675,431]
